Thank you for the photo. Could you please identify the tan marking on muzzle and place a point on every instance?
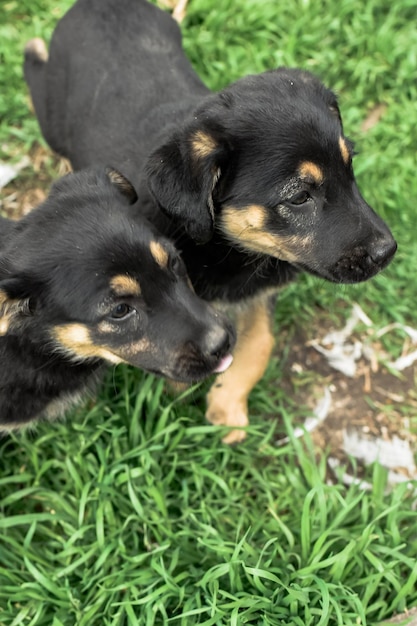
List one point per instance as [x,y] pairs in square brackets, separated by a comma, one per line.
[159,254]
[344,150]
[246,227]
[76,341]
[124,285]
[143,345]
[311,172]
[202,144]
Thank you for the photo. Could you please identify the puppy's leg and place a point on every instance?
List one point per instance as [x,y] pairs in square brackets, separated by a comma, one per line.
[179,12]
[36,59]
[228,397]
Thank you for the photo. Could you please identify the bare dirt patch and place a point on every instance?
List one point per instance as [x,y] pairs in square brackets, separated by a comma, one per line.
[32,184]
[375,406]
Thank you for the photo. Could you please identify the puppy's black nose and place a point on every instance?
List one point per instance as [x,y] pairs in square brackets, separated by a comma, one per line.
[383,251]
[218,342]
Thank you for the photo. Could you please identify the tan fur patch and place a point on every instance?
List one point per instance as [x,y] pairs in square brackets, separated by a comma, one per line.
[202,144]
[246,227]
[4,325]
[108,328]
[124,186]
[159,254]
[227,399]
[11,309]
[4,316]
[124,285]
[143,345]
[344,150]
[38,48]
[76,341]
[311,172]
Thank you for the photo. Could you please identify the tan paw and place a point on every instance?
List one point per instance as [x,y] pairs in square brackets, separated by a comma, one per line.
[226,414]
[235,436]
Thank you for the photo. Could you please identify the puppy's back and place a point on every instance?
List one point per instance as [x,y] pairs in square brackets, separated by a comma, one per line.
[109,61]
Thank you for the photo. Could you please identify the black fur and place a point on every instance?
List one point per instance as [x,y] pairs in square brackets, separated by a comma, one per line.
[253,184]
[118,89]
[81,284]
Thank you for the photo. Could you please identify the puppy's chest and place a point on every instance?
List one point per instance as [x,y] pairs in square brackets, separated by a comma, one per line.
[222,273]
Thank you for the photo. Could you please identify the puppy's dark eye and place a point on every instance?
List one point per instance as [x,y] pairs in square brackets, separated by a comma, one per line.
[300,198]
[176,265]
[121,310]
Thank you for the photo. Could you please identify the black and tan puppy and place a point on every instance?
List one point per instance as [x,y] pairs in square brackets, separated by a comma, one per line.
[254,183]
[81,284]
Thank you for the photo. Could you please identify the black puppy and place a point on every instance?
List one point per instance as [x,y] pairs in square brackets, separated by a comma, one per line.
[81,283]
[254,183]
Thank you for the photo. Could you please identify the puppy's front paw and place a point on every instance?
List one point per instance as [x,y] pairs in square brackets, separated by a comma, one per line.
[235,436]
[227,414]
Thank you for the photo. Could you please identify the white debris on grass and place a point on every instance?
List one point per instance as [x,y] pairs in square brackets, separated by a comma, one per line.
[393,477]
[348,479]
[9,172]
[406,360]
[342,354]
[394,453]
[320,412]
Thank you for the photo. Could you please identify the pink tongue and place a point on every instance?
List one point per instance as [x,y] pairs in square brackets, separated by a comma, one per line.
[224,364]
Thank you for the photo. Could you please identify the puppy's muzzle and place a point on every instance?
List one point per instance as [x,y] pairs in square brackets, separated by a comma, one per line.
[218,345]
[365,261]
[382,252]
[210,354]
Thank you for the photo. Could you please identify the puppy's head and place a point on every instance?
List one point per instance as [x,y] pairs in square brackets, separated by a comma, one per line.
[80,278]
[266,163]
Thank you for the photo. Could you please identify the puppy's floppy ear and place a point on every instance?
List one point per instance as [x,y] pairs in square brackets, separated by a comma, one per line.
[122,184]
[182,175]
[15,302]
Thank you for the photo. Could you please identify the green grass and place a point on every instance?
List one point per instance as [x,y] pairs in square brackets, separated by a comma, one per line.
[132,511]
[141,514]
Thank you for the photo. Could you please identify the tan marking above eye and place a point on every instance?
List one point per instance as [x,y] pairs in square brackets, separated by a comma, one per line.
[124,285]
[311,172]
[159,254]
[107,328]
[202,144]
[246,227]
[76,341]
[344,150]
